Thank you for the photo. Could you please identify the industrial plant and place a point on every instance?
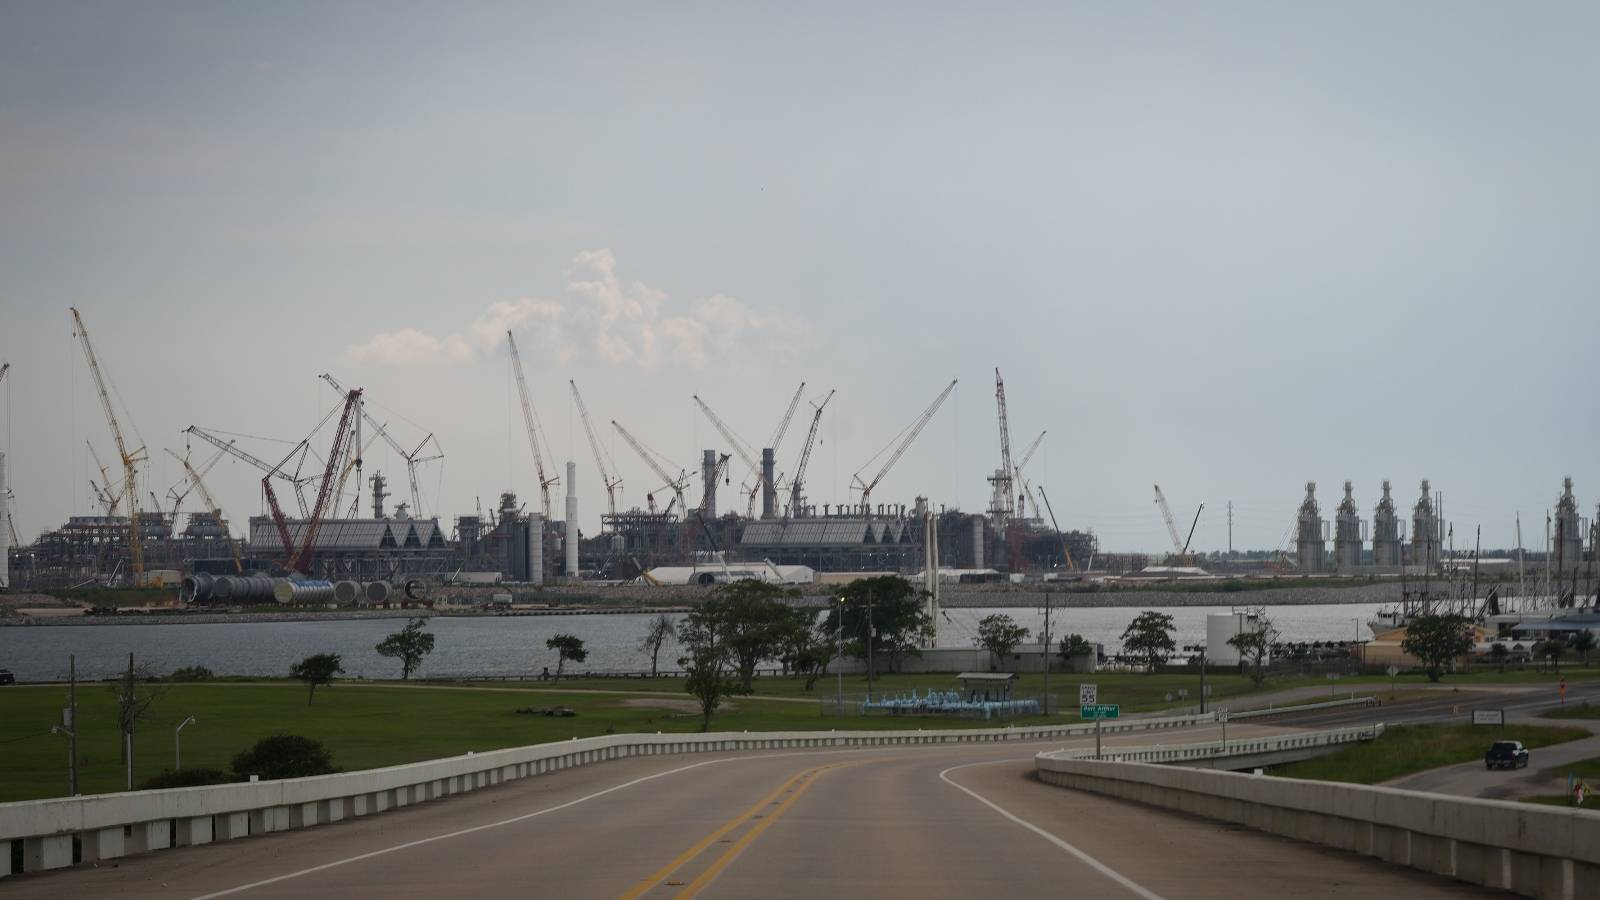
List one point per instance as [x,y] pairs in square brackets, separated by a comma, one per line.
[335,532]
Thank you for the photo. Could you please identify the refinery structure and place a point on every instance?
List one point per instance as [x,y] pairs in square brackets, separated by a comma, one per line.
[336,531]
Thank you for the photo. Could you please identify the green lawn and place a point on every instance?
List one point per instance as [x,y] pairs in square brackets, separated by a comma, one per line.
[1590,802]
[1574,711]
[365,725]
[1404,750]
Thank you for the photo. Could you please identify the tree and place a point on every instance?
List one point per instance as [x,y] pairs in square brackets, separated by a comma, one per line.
[709,677]
[899,622]
[567,647]
[409,645]
[1582,643]
[1074,645]
[316,669]
[1552,650]
[1500,653]
[284,756]
[1150,635]
[753,620]
[1000,634]
[1255,645]
[657,633]
[1436,640]
[804,647]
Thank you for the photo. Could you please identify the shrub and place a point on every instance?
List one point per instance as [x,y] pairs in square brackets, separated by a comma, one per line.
[185,778]
[191,673]
[284,756]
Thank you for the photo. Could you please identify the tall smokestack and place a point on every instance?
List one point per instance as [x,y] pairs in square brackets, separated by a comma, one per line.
[708,477]
[536,548]
[5,528]
[572,520]
[769,490]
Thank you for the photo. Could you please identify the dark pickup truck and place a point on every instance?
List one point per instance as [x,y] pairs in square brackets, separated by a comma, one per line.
[1506,755]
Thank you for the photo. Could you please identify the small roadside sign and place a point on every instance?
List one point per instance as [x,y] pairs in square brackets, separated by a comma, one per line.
[1088,694]
[1099,711]
[1393,671]
[1222,716]
[1488,717]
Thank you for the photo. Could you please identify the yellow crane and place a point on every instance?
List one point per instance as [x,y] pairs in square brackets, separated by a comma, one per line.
[130,459]
[216,511]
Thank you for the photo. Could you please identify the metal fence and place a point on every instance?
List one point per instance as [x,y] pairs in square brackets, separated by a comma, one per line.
[937,703]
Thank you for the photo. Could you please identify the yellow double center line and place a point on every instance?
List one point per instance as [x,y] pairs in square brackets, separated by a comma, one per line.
[795,786]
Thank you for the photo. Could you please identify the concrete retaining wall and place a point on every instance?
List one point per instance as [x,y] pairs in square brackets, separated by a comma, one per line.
[1536,851]
[113,825]
[1239,754]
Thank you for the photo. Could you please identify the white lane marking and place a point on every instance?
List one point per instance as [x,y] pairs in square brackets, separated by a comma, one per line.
[1093,863]
[511,821]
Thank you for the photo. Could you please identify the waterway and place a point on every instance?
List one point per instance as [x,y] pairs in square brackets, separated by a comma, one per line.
[515,645]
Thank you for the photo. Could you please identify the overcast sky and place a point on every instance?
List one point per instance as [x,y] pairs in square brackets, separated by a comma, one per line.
[1225,247]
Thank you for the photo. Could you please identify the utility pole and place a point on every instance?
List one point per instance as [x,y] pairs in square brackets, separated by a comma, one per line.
[872,638]
[1047,655]
[1202,681]
[1230,529]
[72,738]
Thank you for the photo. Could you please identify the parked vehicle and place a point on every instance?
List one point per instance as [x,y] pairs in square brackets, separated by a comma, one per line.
[1506,755]
[6,677]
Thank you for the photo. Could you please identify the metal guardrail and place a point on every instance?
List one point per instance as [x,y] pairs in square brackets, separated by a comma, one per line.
[1305,707]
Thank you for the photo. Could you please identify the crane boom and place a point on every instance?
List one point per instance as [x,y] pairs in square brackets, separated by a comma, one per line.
[796,483]
[299,556]
[531,419]
[216,511]
[130,460]
[1166,516]
[1027,487]
[109,499]
[910,435]
[788,414]
[1065,551]
[606,477]
[744,454]
[271,470]
[649,457]
[1005,504]
[411,457]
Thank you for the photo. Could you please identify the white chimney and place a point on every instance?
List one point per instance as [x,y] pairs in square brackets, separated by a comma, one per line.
[572,520]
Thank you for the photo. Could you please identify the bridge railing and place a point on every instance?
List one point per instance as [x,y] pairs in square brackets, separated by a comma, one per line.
[1528,849]
[1254,746]
[61,832]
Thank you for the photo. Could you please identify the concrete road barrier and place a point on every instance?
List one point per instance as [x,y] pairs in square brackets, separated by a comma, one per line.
[1532,850]
[60,832]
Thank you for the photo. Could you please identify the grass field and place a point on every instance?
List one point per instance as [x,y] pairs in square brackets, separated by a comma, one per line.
[1417,748]
[1574,711]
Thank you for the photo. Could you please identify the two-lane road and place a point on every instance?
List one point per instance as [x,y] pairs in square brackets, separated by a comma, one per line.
[892,822]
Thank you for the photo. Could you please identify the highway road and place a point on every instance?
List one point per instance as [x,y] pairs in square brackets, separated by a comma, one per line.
[916,822]
[1518,701]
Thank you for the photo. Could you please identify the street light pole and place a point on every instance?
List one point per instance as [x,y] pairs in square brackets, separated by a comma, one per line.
[840,646]
[1202,681]
[872,638]
[1047,657]
[177,744]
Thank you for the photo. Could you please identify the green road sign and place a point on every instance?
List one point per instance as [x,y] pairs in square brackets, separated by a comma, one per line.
[1098,711]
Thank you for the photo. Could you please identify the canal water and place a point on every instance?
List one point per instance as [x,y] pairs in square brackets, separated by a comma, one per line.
[515,645]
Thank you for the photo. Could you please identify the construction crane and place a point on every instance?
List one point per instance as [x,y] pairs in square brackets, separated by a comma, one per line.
[1004,503]
[1026,498]
[107,499]
[412,457]
[700,514]
[216,511]
[600,456]
[531,419]
[176,496]
[130,458]
[649,457]
[744,454]
[776,440]
[796,483]
[911,432]
[298,557]
[273,471]
[1180,546]
[1065,551]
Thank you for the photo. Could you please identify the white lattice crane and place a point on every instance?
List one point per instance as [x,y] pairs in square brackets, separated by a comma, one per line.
[744,454]
[130,458]
[601,458]
[796,484]
[535,429]
[1026,498]
[278,472]
[910,435]
[1180,546]
[211,505]
[413,457]
[1004,503]
[649,456]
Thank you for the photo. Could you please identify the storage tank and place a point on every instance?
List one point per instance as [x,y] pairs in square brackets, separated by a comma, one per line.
[416,590]
[377,592]
[197,588]
[346,593]
[302,593]
[243,589]
[1220,628]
